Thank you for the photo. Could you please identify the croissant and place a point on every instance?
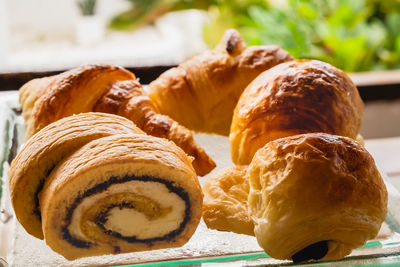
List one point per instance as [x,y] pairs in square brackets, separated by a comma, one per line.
[315,196]
[120,191]
[202,92]
[294,97]
[103,88]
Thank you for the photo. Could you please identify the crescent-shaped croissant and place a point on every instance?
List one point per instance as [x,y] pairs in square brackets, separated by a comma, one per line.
[202,92]
[103,88]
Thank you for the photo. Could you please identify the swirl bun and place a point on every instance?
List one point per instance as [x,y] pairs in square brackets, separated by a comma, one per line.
[95,184]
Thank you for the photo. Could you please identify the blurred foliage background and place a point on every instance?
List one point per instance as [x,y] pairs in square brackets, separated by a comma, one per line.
[354,35]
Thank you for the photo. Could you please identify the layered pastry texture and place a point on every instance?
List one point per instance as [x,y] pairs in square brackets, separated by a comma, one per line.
[225,205]
[117,193]
[202,92]
[40,154]
[103,88]
[315,196]
[294,97]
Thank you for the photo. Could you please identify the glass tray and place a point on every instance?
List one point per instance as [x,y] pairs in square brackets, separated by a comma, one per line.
[206,247]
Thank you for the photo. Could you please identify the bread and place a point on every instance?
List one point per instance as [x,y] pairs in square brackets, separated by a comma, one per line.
[294,97]
[315,196]
[103,88]
[45,100]
[42,152]
[225,201]
[119,193]
[202,92]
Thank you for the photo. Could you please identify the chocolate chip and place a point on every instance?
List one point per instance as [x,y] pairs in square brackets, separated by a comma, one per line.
[314,251]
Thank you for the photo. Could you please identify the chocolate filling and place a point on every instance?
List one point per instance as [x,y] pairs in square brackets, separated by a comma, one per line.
[39,188]
[36,209]
[117,249]
[101,219]
[314,251]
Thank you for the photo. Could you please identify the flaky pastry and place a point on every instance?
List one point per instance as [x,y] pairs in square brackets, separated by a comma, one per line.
[225,201]
[103,88]
[122,191]
[41,153]
[294,97]
[315,196]
[202,92]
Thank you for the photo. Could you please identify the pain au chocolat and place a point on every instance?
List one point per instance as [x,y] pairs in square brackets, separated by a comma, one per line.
[305,197]
[294,97]
[95,184]
[315,196]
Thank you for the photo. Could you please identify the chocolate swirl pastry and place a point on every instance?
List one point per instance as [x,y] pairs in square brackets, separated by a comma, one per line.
[295,97]
[38,157]
[103,88]
[121,192]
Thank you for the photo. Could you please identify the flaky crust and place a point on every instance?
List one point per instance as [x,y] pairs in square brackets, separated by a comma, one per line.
[94,184]
[106,160]
[291,98]
[103,88]
[45,149]
[202,92]
[48,99]
[312,188]
[128,99]
[225,201]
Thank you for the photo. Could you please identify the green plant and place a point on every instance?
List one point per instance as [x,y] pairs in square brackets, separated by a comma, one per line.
[356,35]
[87,7]
[144,12]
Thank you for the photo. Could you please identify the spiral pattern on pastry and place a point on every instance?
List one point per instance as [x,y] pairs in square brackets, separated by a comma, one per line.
[315,196]
[295,97]
[119,193]
[41,153]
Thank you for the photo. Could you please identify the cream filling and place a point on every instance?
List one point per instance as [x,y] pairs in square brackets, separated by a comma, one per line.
[130,222]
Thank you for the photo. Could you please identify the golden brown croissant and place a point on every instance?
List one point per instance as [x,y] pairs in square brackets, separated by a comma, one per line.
[291,98]
[202,92]
[108,89]
[315,196]
[225,205]
[121,191]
